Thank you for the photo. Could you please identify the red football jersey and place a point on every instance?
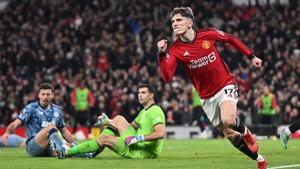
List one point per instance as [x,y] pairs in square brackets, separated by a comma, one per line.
[201,61]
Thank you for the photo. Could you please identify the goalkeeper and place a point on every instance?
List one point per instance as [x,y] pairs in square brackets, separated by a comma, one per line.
[143,138]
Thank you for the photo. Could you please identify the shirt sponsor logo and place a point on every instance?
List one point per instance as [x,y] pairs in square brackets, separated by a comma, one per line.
[46,123]
[203,61]
[206,44]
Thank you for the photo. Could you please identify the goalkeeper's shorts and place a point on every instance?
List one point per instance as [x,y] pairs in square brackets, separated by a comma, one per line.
[133,151]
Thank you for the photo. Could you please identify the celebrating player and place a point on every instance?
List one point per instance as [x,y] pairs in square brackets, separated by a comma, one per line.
[42,120]
[196,51]
[143,138]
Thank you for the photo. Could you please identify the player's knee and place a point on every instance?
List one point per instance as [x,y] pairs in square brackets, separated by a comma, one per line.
[51,126]
[229,121]
[229,133]
[118,119]
[119,122]
[104,139]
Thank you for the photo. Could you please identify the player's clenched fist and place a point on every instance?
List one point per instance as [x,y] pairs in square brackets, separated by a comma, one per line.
[162,46]
[256,62]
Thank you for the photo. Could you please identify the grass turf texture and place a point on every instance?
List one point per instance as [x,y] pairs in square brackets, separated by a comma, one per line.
[177,154]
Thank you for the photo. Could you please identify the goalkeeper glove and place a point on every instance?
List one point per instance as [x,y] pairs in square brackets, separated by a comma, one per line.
[134,139]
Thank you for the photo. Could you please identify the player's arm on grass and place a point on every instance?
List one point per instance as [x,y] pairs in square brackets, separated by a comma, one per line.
[67,135]
[159,133]
[10,129]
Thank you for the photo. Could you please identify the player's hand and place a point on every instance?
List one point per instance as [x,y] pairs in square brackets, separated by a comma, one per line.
[162,46]
[4,138]
[134,139]
[256,62]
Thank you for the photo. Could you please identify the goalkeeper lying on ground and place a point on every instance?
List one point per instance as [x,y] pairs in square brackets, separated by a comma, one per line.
[143,138]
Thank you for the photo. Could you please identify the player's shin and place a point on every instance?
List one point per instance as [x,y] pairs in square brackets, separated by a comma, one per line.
[239,126]
[85,147]
[56,139]
[239,143]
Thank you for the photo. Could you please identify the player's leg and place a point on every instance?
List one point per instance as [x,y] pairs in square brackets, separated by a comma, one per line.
[106,139]
[95,145]
[114,127]
[117,125]
[236,140]
[41,142]
[228,110]
[285,133]
[14,140]
[117,144]
[90,146]
[120,123]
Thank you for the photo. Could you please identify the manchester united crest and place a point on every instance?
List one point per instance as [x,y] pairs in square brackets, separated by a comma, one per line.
[206,44]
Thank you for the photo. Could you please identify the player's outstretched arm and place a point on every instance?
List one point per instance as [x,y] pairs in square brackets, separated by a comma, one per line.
[167,64]
[10,129]
[256,62]
[67,135]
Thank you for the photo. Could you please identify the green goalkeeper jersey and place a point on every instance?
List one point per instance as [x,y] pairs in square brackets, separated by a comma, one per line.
[147,120]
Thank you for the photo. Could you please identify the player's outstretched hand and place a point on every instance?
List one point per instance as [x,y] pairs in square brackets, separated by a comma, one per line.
[134,139]
[256,62]
[162,46]
[4,138]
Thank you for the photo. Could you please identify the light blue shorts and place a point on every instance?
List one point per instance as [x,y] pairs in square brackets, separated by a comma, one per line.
[13,140]
[34,150]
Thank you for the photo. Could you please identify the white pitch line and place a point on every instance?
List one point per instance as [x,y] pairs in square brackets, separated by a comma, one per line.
[286,166]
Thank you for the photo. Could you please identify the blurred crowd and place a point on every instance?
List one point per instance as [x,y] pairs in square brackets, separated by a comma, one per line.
[110,47]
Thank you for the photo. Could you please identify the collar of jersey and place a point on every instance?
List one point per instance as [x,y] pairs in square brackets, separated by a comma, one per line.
[196,34]
[150,106]
[47,108]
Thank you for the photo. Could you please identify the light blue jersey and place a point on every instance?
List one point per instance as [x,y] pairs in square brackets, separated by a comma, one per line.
[35,118]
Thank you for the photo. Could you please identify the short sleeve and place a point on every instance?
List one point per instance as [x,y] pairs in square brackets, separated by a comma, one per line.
[156,116]
[61,122]
[25,114]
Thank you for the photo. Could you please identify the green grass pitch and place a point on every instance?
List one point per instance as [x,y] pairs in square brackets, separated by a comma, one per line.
[177,154]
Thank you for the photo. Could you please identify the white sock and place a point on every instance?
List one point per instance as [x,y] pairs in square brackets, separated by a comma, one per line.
[245,132]
[260,158]
[287,131]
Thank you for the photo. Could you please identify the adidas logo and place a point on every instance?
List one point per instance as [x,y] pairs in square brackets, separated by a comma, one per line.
[186,53]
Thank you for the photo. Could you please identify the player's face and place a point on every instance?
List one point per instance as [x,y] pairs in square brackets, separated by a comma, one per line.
[45,97]
[144,95]
[181,24]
